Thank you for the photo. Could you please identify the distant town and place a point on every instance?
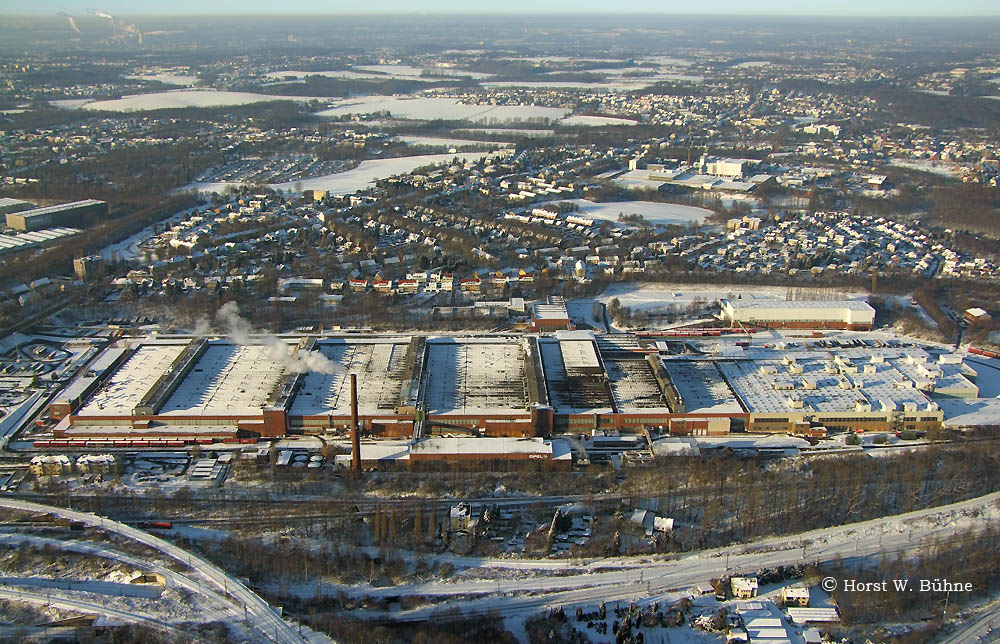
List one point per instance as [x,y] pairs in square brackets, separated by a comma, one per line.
[530,329]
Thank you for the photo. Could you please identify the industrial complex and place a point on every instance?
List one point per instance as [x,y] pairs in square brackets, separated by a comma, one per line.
[522,388]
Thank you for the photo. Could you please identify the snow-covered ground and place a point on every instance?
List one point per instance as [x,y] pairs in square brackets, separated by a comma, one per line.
[942,168]
[582,311]
[178,98]
[988,375]
[595,121]
[181,80]
[409,71]
[358,178]
[346,74]
[442,142]
[658,214]
[504,131]
[448,109]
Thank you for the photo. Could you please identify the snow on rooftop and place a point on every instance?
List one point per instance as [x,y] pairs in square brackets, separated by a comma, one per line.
[489,445]
[766,386]
[379,364]
[571,390]
[853,305]
[227,378]
[475,375]
[123,390]
[701,387]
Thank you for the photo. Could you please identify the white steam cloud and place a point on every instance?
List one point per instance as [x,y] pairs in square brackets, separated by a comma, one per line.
[203,327]
[240,331]
[72,22]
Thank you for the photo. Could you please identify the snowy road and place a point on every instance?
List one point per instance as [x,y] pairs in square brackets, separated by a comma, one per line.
[261,615]
[66,603]
[652,580]
[173,578]
[983,629]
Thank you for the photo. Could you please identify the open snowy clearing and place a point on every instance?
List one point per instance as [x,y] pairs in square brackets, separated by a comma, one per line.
[504,131]
[409,71]
[359,178]
[449,109]
[595,121]
[346,74]
[658,214]
[181,98]
[442,142]
[942,168]
[181,80]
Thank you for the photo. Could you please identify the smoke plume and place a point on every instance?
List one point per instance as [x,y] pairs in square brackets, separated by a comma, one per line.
[72,22]
[240,331]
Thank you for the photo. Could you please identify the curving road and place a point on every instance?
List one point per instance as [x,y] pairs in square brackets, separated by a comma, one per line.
[91,609]
[260,614]
[652,579]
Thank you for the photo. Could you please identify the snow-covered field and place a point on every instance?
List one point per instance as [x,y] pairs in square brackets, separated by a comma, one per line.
[181,80]
[408,71]
[658,214]
[449,109]
[505,131]
[442,142]
[346,74]
[178,98]
[595,121]
[942,168]
[356,179]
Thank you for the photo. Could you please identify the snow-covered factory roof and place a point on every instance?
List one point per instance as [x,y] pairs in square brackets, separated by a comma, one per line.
[475,375]
[378,363]
[822,385]
[701,387]
[123,390]
[227,379]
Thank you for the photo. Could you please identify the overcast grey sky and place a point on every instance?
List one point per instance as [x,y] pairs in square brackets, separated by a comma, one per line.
[742,7]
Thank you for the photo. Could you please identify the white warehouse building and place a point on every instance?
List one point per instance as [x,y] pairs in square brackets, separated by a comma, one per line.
[852,315]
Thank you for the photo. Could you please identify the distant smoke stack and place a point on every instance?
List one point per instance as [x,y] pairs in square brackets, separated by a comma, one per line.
[114,23]
[72,23]
[355,434]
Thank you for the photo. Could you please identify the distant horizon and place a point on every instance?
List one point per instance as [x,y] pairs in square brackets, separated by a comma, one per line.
[845,9]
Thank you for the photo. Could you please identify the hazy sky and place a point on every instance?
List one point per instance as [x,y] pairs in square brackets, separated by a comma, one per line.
[742,7]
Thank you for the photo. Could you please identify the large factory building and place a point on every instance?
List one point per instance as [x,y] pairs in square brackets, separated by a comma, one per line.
[181,389]
[66,214]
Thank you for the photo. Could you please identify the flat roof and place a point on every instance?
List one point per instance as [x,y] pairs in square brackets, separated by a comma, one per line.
[854,305]
[701,387]
[765,386]
[571,391]
[378,363]
[227,379]
[46,210]
[475,375]
[122,391]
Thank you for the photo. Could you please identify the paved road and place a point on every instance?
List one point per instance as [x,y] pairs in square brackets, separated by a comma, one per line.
[261,615]
[653,579]
[173,577]
[985,628]
[91,609]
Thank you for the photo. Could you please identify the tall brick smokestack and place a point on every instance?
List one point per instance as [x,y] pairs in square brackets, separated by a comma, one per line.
[355,435]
